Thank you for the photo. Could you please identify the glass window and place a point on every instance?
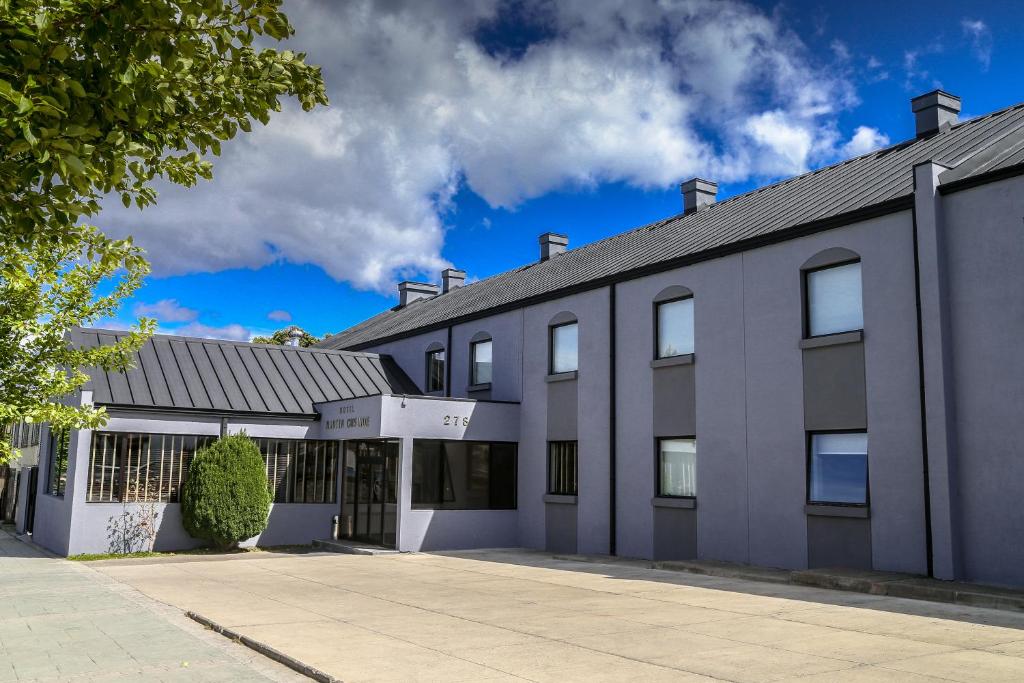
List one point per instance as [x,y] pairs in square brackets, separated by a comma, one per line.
[481,355]
[564,348]
[435,370]
[675,327]
[677,467]
[301,470]
[563,467]
[463,475]
[834,300]
[58,470]
[839,468]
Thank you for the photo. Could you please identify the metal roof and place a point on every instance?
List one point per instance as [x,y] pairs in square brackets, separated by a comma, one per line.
[875,181]
[188,373]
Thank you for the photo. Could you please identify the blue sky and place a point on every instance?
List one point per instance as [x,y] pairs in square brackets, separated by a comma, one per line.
[458,136]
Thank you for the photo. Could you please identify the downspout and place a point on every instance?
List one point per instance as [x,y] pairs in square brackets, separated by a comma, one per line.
[612,405]
[448,365]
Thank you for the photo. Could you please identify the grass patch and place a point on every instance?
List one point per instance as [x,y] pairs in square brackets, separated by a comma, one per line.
[96,557]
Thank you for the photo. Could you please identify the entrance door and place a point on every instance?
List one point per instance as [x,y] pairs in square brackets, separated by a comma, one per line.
[371,491]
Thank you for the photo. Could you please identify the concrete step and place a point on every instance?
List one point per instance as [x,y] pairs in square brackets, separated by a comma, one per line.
[352,547]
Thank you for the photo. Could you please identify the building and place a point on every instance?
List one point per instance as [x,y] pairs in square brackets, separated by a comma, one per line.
[821,372]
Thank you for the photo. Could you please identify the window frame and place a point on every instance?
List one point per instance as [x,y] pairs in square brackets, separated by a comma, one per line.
[430,353]
[57,439]
[805,291]
[657,466]
[473,379]
[657,304]
[551,346]
[810,459]
[576,468]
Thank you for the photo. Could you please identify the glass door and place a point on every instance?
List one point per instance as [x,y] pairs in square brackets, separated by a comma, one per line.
[370,499]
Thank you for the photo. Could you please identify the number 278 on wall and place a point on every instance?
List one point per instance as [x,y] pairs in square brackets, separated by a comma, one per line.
[455,421]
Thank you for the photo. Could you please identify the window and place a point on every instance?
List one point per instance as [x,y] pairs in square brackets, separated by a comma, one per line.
[57,481]
[301,470]
[480,353]
[674,322]
[839,469]
[150,468]
[435,370]
[140,468]
[463,475]
[834,300]
[23,434]
[563,468]
[677,468]
[564,348]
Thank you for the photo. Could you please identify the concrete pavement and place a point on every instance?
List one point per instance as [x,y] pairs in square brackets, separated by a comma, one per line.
[513,615]
[61,621]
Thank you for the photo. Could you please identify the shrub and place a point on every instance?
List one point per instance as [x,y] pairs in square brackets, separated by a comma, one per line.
[226,498]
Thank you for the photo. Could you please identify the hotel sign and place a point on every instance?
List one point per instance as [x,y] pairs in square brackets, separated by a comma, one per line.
[352,419]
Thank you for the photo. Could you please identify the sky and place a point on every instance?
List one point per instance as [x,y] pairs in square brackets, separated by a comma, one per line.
[459,132]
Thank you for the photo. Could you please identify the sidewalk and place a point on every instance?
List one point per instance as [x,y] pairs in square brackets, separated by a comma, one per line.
[60,621]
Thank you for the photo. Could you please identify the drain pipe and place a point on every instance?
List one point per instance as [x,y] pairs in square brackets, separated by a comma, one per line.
[612,405]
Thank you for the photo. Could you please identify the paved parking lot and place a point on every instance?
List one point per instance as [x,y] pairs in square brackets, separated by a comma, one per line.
[504,615]
[61,621]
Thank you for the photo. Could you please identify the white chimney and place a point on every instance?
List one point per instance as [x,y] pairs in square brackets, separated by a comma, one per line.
[452,278]
[698,193]
[552,244]
[412,291]
[935,111]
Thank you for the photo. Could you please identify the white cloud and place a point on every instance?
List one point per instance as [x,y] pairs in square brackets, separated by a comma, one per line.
[615,92]
[980,35]
[279,316]
[233,331]
[864,140]
[166,311]
[840,50]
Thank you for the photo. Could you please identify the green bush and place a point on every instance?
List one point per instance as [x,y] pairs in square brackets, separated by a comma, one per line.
[226,498]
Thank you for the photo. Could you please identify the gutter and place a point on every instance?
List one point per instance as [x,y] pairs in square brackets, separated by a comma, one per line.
[295,417]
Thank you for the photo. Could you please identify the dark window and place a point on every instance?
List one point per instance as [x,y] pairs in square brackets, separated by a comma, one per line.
[564,340]
[23,434]
[677,468]
[463,475]
[480,355]
[838,472]
[834,302]
[140,468]
[563,467]
[301,470]
[435,370]
[674,323]
[60,441]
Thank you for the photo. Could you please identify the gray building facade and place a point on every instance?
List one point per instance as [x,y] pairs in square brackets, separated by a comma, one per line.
[821,372]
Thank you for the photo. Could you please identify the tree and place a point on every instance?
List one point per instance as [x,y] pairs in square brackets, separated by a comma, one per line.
[283,336]
[97,99]
[226,498]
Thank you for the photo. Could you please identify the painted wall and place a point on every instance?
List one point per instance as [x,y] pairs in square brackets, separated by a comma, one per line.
[985,261]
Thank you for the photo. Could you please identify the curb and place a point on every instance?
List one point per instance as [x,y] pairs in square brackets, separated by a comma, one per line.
[265,650]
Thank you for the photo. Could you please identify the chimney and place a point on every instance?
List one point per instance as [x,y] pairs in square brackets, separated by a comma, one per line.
[294,336]
[698,193]
[411,291]
[552,244]
[935,111]
[452,278]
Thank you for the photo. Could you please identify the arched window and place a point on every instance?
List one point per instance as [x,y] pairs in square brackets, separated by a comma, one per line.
[832,293]
[673,322]
[435,367]
[480,358]
[563,343]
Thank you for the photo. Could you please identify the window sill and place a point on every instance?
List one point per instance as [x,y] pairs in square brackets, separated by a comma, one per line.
[832,339]
[562,376]
[437,392]
[824,510]
[559,499]
[485,386]
[685,359]
[670,502]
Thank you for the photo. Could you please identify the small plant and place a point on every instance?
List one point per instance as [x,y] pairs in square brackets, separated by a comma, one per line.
[226,498]
[134,530]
